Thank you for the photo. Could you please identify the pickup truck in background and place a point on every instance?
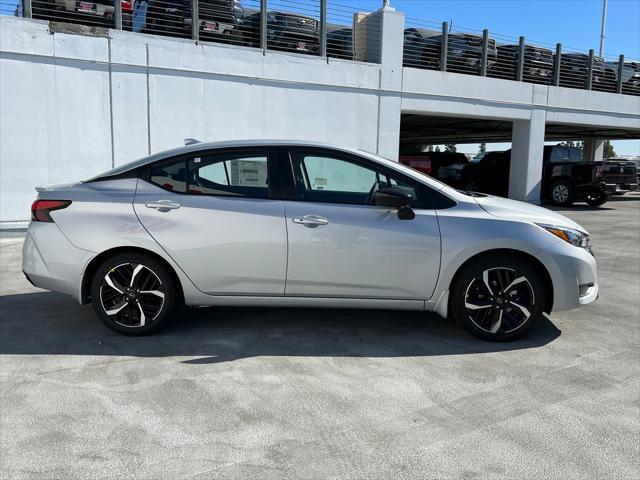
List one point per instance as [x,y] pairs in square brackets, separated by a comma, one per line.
[566,177]
[464,53]
[620,175]
[286,31]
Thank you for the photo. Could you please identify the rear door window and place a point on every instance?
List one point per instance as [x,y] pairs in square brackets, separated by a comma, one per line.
[235,174]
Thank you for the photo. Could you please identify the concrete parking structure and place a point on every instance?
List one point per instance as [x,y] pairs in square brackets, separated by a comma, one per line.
[322,393]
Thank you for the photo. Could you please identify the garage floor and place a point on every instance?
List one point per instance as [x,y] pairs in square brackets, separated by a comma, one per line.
[240,393]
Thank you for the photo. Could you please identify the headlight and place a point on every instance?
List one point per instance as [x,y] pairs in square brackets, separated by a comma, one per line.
[569,235]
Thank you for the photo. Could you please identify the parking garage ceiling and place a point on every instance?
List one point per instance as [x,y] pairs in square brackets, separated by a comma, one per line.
[432,130]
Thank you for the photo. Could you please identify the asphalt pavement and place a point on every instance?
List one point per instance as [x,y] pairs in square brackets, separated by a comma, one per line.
[297,393]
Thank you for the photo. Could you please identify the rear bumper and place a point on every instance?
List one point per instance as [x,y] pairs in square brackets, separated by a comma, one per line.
[51,262]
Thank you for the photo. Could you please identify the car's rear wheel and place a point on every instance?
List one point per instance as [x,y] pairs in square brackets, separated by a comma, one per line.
[498,298]
[133,294]
[561,193]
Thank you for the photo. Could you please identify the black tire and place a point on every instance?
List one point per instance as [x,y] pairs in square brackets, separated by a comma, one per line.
[140,305]
[596,198]
[503,314]
[561,193]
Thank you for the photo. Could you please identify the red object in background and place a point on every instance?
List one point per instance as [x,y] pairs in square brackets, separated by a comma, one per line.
[127,6]
[419,163]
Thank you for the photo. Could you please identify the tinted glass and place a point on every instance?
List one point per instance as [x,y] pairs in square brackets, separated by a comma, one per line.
[323,178]
[559,154]
[229,174]
[171,177]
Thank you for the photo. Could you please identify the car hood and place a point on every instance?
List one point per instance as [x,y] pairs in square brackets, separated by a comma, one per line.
[515,210]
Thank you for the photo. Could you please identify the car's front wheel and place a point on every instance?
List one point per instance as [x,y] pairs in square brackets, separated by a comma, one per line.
[133,294]
[499,297]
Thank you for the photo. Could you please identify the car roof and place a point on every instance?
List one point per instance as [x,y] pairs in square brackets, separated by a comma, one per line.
[205,146]
[202,146]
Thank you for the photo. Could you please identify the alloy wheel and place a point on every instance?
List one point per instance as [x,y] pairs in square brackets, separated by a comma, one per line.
[560,193]
[132,295]
[500,300]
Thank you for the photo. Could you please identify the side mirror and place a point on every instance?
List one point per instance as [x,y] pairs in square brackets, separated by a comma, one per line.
[395,197]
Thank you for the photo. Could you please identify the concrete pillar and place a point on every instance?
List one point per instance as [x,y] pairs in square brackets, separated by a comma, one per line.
[390,101]
[525,175]
[593,150]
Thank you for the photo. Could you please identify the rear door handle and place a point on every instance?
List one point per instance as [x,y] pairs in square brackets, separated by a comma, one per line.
[162,205]
[311,221]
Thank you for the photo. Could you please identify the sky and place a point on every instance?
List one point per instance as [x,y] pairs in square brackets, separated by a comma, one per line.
[574,23]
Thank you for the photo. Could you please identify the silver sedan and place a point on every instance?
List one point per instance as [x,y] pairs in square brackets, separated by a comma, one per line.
[285,223]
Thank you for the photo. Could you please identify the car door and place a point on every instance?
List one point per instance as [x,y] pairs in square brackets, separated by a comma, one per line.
[341,245]
[214,214]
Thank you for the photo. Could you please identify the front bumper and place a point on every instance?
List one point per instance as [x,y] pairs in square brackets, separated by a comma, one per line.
[574,275]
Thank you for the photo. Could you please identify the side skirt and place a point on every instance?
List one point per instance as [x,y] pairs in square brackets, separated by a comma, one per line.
[309,302]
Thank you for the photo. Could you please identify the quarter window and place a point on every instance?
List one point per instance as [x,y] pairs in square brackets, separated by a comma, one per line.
[229,174]
[171,177]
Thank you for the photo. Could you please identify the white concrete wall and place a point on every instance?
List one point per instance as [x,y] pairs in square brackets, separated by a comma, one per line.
[72,106]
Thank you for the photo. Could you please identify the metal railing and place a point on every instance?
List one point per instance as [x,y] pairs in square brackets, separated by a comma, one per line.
[327,29]
[433,46]
[310,27]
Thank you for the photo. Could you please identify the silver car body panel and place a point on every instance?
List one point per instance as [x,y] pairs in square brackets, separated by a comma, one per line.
[237,251]
[363,251]
[226,245]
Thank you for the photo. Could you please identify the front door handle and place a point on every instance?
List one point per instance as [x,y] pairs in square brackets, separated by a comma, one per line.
[311,221]
[162,205]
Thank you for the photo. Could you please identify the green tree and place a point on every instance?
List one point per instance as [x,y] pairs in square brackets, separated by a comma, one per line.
[483,149]
[450,147]
[608,151]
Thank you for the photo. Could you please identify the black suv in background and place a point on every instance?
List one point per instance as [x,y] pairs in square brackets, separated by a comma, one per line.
[220,20]
[574,68]
[286,31]
[566,177]
[537,66]
[464,53]
[340,42]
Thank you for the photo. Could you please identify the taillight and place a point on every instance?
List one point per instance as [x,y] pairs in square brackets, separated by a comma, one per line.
[41,209]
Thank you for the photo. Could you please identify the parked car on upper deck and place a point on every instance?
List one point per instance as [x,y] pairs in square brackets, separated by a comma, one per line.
[574,68]
[630,77]
[340,43]
[300,224]
[286,31]
[422,50]
[98,12]
[537,66]
[220,20]
[166,17]
[566,177]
